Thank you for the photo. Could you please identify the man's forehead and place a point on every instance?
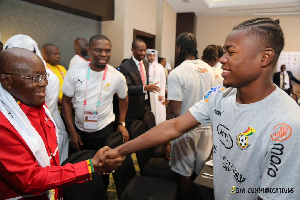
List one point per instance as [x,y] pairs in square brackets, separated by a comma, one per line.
[19,58]
[235,39]
[101,44]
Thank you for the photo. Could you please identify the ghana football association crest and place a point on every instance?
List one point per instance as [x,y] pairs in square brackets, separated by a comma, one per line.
[242,139]
[106,88]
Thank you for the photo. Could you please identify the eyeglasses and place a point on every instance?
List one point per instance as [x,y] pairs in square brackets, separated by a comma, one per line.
[36,78]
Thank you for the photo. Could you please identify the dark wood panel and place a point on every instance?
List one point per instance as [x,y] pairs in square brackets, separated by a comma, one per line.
[148,38]
[101,10]
[186,22]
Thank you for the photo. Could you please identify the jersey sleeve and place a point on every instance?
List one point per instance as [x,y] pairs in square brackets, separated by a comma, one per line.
[69,87]
[122,88]
[21,171]
[174,88]
[280,171]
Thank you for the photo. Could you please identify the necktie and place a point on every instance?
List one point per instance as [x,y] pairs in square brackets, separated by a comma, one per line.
[284,83]
[142,73]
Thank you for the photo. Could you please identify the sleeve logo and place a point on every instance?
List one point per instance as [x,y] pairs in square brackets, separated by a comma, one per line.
[281,132]
[213,89]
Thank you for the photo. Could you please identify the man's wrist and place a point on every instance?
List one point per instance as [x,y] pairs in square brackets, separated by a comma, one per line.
[121,123]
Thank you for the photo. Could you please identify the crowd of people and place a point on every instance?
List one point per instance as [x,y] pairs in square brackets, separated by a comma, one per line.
[224,105]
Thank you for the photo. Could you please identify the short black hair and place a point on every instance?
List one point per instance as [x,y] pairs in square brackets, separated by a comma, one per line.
[160,59]
[134,42]
[210,53]
[220,51]
[266,29]
[98,37]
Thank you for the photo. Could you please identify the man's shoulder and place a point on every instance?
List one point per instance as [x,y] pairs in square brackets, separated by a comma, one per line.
[61,67]
[114,71]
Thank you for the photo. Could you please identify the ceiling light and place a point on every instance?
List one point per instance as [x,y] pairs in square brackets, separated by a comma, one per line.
[276,13]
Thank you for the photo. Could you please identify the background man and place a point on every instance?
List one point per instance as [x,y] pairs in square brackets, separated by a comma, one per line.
[136,72]
[283,79]
[210,56]
[157,75]
[187,84]
[29,157]
[81,49]
[256,144]
[90,90]
[51,55]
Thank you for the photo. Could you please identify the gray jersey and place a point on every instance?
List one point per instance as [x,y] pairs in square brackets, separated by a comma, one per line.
[256,149]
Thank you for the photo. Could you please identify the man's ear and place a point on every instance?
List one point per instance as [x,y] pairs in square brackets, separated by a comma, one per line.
[267,57]
[6,82]
[179,47]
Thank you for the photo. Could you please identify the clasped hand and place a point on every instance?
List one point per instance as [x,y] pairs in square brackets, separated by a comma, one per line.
[106,160]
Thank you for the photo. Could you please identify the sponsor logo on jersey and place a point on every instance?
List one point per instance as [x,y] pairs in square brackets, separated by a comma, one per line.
[281,132]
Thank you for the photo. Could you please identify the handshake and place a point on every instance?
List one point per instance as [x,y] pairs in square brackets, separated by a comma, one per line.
[107,160]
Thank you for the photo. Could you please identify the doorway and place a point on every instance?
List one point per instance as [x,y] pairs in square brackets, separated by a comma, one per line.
[148,38]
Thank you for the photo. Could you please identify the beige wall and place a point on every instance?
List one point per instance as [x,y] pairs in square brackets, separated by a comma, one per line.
[139,15]
[114,30]
[214,30]
[168,34]
[154,17]
[129,15]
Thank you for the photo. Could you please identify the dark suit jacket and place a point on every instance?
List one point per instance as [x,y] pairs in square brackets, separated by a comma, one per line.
[136,95]
[276,78]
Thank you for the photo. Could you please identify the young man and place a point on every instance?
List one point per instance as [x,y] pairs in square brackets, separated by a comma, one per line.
[157,75]
[51,55]
[255,124]
[29,167]
[187,84]
[81,49]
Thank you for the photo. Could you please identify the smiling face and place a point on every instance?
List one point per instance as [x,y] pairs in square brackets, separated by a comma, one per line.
[139,51]
[100,52]
[242,60]
[27,64]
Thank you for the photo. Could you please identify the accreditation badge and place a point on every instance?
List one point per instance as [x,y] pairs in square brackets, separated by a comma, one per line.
[90,120]
[51,194]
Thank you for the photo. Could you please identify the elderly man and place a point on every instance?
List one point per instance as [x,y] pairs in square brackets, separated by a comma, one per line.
[52,90]
[29,153]
[255,124]
[81,49]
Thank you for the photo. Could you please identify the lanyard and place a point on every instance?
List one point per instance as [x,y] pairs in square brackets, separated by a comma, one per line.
[86,85]
[81,57]
[62,74]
